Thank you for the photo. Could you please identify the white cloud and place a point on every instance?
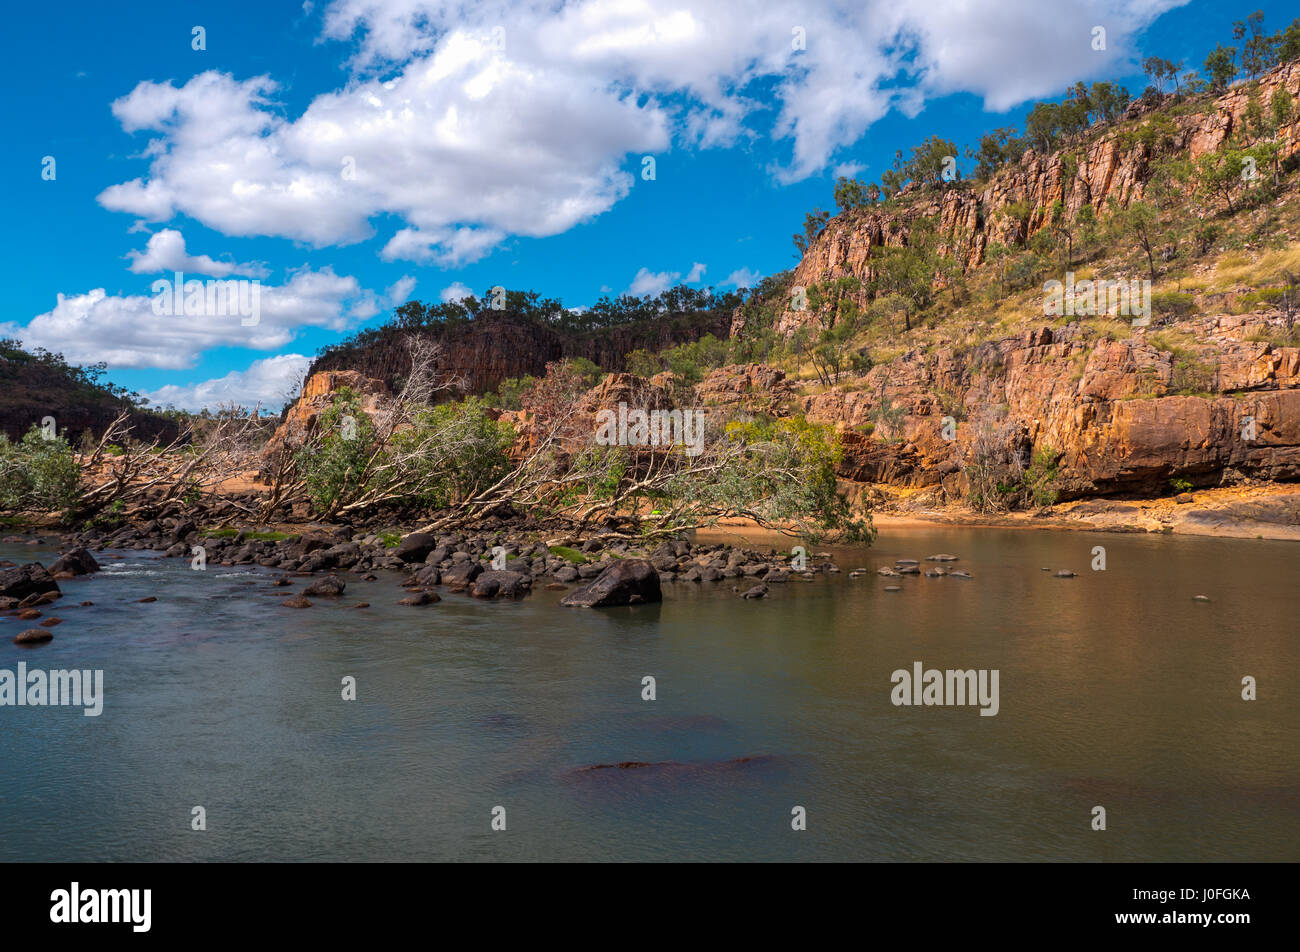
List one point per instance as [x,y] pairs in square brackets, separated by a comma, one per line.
[124,331]
[445,247]
[465,146]
[742,278]
[455,292]
[467,143]
[269,382]
[166,252]
[696,273]
[648,282]
[848,170]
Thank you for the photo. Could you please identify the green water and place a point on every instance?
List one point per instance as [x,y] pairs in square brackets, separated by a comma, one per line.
[1116,689]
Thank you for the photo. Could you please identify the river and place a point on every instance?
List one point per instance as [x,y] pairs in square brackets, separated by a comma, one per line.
[1116,689]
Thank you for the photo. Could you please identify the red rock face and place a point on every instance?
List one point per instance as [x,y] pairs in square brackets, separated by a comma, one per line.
[754,387]
[318,393]
[970,221]
[1109,409]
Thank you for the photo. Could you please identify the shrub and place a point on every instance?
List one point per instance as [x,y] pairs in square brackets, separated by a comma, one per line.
[1173,304]
[38,472]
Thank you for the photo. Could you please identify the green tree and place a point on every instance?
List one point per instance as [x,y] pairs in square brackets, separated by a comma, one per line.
[1109,100]
[642,363]
[1258,50]
[1220,67]
[1139,223]
[851,194]
[996,149]
[813,224]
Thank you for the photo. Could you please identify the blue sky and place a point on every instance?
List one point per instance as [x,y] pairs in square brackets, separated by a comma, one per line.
[354,153]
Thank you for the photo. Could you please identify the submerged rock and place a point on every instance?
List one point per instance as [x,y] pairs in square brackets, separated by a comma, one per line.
[296,602]
[758,591]
[33,636]
[420,598]
[331,586]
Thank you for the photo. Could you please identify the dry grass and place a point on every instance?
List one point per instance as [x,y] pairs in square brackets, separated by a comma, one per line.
[1234,269]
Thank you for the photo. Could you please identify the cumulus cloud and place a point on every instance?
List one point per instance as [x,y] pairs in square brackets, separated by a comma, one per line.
[166,252]
[648,282]
[454,292]
[742,278]
[518,118]
[696,273]
[445,247]
[464,146]
[269,382]
[124,331]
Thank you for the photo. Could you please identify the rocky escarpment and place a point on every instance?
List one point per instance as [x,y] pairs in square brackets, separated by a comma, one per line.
[1117,416]
[483,353]
[1016,202]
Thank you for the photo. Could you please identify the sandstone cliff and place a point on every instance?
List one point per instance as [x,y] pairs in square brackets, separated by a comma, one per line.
[1109,165]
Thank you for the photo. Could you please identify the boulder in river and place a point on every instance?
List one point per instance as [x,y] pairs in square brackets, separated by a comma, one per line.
[76,562]
[296,602]
[331,586]
[29,579]
[499,583]
[461,575]
[33,636]
[758,591]
[941,557]
[420,598]
[626,582]
[415,547]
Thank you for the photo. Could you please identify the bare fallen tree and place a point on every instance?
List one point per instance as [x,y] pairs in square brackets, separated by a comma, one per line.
[350,460]
[132,476]
[779,474]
